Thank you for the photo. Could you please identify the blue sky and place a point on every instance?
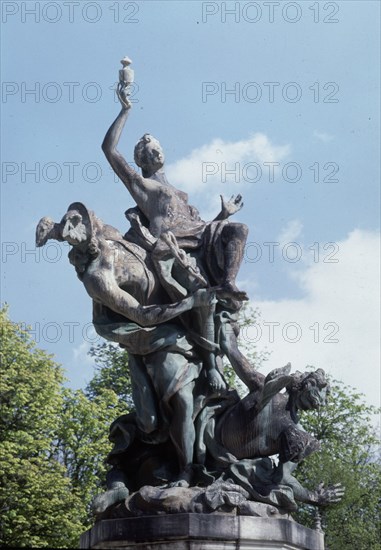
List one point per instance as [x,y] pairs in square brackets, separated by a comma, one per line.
[299,133]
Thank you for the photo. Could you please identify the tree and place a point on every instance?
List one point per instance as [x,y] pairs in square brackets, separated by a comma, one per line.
[349,456]
[83,443]
[54,440]
[111,365]
[37,502]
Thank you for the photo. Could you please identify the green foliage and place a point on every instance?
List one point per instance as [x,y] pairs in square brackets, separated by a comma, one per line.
[348,456]
[111,374]
[54,441]
[87,415]
[83,444]
[38,505]
[248,318]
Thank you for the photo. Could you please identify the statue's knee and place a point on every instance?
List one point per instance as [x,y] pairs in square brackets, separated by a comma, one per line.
[183,403]
[235,231]
[242,229]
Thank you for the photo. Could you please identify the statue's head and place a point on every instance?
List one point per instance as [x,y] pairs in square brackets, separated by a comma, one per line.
[76,225]
[310,389]
[82,229]
[149,155]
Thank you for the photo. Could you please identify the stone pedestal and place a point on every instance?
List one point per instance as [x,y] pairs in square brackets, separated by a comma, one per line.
[202,532]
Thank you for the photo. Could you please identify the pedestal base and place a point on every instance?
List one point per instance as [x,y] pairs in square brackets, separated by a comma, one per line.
[202,532]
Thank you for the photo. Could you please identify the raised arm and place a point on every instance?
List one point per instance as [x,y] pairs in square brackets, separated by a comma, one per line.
[275,381]
[140,188]
[122,169]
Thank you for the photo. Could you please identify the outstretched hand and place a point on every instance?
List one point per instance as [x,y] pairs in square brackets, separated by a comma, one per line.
[330,494]
[231,206]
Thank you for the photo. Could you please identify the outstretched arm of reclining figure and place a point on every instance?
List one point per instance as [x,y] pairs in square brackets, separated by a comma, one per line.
[321,496]
[109,294]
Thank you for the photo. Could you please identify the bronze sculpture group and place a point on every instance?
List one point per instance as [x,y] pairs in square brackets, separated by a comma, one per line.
[166,292]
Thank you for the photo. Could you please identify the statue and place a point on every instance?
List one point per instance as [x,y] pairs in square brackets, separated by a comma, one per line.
[166,292]
[126,78]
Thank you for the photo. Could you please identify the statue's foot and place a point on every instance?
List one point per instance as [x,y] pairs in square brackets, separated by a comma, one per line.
[230,290]
[215,380]
[110,497]
[180,483]
[183,479]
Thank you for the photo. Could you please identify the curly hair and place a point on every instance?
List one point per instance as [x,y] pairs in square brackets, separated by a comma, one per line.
[302,381]
[139,151]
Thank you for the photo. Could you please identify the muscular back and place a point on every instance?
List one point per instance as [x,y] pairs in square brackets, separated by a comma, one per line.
[247,432]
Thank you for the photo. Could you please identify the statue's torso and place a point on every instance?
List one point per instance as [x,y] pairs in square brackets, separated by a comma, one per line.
[169,211]
[248,433]
[130,267]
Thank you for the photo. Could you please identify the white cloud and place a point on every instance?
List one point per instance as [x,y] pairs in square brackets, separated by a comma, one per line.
[81,354]
[323,136]
[248,285]
[290,232]
[210,164]
[337,324]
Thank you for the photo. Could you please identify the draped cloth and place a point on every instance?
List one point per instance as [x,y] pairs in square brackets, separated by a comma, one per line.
[195,236]
[161,362]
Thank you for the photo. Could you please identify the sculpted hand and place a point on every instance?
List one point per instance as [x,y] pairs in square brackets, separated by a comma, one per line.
[329,495]
[204,297]
[126,104]
[230,207]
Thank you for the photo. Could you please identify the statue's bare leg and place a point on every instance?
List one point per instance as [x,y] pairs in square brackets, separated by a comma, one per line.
[234,237]
[203,322]
[182,433]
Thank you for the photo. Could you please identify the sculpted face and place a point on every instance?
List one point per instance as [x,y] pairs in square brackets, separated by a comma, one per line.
[74,230]
[312,395]
[149,154]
